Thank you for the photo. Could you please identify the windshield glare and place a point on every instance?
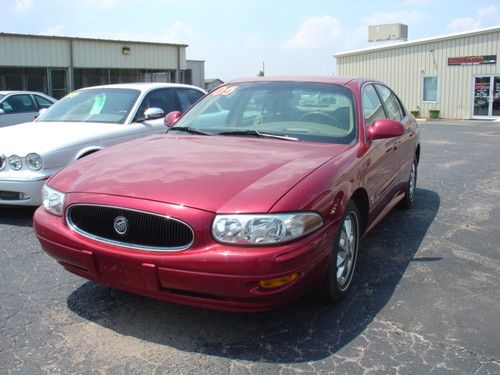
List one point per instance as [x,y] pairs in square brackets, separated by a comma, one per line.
[313,112]
[93,105]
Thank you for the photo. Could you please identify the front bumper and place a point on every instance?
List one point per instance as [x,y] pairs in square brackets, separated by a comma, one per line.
[21,193]
[208,275]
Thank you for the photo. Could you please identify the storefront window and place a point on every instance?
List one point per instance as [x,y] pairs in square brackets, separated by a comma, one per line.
[430,92]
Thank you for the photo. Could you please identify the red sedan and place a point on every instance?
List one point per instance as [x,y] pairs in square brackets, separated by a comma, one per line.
[257,195]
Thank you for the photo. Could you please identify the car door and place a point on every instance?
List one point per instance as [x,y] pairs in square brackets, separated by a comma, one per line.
[16,109]
[402,145]
[166,100]
[379,159]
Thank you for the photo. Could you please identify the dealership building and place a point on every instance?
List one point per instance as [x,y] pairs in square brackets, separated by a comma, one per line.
[457,75]
[57,65]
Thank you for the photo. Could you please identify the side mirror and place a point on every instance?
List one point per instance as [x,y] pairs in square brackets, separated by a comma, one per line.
[385,128]
[2,112]
[152,113]
[41,112]
[172,118]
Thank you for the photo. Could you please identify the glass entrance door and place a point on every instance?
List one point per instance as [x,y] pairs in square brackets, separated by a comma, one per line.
[486,96]
[495,110]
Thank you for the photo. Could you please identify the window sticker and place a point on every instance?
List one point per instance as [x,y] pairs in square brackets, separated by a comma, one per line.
[72,94]
[225,90]
[98,104]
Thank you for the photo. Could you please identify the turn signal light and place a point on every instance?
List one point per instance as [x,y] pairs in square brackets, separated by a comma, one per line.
[274,283]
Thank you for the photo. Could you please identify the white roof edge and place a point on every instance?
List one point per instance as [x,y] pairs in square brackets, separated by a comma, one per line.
[420,41]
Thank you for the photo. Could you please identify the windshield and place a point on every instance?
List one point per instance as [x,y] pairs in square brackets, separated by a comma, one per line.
[313,112]
[106,105]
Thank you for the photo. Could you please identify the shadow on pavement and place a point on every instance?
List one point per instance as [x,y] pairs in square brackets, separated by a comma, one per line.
[19,216]
[304,331]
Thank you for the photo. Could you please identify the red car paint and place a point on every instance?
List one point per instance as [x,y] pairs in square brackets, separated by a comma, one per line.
[194,177]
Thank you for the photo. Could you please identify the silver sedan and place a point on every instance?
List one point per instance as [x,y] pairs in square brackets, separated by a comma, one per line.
[22,106]
[83,122]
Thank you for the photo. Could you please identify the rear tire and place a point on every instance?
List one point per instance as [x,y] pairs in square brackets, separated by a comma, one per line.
[408,200]
[343,258]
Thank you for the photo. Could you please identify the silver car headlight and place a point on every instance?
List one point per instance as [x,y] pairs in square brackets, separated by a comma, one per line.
[53,200]
[15,162]
[264,229]
[34,161]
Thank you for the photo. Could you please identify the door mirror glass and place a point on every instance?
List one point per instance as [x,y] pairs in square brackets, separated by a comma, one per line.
[172,118]
[153,113]
[385,128]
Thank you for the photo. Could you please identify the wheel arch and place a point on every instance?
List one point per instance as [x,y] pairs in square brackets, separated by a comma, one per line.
[360,198]
[87,151]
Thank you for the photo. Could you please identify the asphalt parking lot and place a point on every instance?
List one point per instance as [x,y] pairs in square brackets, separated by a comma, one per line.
[425,299]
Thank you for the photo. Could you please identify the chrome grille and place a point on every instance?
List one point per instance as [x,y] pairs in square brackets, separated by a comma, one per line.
[2,162]
[130,228]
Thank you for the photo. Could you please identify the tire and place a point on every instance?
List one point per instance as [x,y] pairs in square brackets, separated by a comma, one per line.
[343,258]
[408,200]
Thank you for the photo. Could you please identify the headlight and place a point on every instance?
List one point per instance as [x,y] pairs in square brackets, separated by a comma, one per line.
[254,229]
[53,200]
[34,161]
[15,162]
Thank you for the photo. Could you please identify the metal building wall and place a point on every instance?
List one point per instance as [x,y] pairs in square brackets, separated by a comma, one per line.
[104,54]
[403,67]
[198,72]
[20,51]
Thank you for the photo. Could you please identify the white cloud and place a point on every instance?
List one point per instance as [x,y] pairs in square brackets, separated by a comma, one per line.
[103,4]
[23,5]
[419,2]
[179,33]
[358,38]
[315,32]
[398,16]
[53,30]
[486,16]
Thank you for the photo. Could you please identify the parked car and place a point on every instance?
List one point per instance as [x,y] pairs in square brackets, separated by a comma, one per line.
[81,123]
[245,209]
[22,106]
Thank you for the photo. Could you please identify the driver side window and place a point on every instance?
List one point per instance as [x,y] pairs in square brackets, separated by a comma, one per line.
[372,106]
[164,99]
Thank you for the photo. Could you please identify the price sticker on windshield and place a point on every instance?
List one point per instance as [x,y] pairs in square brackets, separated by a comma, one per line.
[224,90]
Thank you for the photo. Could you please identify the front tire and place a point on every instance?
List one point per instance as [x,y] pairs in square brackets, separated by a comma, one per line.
[344,256]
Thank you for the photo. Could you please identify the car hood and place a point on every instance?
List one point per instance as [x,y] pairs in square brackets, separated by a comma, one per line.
[44,137]
[217,174]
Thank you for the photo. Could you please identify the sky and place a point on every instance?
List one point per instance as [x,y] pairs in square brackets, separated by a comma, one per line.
[236,37]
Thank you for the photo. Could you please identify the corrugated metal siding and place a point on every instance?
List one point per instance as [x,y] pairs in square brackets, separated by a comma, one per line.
[197,71]
[99,54]
[403,69]
[26,52]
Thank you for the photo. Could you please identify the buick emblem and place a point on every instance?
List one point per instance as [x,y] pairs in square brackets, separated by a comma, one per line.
[121,225]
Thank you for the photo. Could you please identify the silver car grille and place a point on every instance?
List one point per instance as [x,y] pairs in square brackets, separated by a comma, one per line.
[2,162]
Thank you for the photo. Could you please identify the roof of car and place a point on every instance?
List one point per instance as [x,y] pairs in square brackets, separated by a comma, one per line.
[314,79]
[7,92]
[142,85]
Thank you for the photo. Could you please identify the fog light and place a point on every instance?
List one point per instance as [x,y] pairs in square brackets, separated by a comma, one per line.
[24,196]
[274,283]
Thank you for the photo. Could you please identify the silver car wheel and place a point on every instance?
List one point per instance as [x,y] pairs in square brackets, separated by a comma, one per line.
[413,178]
[347,251]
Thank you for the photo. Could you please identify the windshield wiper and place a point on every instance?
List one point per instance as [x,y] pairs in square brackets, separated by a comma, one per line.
[187,129]
[255,133]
